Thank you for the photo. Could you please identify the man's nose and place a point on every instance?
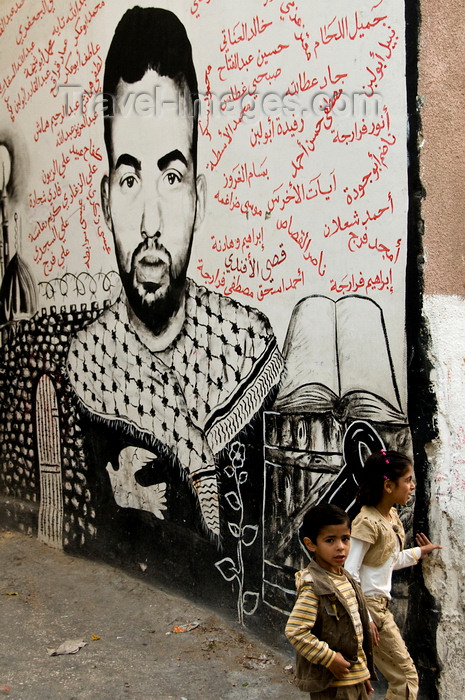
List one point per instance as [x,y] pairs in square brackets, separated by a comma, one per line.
[151,218]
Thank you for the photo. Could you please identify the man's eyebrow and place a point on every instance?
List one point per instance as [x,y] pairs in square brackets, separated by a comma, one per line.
[126,159]
[169,158]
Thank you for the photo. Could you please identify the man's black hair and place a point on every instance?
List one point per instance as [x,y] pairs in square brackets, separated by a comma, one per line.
[145,39]
[321,516]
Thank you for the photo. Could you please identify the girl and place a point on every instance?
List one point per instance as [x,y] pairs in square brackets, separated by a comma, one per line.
[376,550]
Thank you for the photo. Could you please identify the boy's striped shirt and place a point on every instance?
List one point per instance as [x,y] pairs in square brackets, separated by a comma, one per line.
[302,619]
[358,672]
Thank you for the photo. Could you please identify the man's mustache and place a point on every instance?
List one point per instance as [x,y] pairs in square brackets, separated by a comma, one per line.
[154,250]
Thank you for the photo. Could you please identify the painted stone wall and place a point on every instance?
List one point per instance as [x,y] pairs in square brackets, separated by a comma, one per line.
[203,280]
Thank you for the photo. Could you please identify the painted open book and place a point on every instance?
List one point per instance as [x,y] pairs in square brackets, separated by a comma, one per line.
[338,360]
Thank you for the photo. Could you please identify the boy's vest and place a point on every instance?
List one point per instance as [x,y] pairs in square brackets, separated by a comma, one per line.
[370,526]
[333,625]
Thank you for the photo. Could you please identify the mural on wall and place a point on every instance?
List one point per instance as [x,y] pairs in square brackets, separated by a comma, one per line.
[203,258]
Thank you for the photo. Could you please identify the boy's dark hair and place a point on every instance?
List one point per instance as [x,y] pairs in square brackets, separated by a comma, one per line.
[149,38]
[321,516]
[380,466]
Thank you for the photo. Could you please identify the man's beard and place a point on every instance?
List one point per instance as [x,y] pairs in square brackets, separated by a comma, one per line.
[152,305]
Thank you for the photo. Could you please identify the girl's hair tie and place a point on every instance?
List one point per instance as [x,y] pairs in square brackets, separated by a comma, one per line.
[383,452]
[385,477]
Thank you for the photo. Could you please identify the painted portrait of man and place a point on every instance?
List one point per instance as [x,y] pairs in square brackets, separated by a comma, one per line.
[171,371]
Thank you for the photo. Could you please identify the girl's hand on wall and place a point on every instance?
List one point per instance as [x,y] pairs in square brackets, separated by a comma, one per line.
[425,544]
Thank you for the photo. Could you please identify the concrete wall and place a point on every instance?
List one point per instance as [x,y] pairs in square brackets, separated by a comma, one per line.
[445,574]
[441,93]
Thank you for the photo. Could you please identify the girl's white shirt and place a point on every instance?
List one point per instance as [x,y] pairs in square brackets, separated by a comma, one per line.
[377,580]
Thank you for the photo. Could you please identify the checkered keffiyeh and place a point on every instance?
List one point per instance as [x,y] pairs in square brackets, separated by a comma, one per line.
[193,397]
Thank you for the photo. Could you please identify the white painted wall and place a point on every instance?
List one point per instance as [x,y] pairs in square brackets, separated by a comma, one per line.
[445,570]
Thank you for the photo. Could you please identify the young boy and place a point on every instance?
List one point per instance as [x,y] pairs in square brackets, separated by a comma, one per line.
[329,625]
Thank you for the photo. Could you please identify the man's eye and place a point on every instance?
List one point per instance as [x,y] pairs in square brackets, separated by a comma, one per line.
[129,181]
[173,177]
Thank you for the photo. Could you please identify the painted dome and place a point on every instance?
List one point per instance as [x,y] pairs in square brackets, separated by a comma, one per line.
[18,293]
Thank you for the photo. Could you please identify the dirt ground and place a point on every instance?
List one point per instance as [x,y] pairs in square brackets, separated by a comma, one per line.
[132,650]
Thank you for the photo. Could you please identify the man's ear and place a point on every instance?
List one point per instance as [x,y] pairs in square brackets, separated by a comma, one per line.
[309,544]
[201,188]
[105,197]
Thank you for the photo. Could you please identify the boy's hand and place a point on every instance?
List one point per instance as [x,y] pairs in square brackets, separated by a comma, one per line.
[374,633]
[425,545]
[369,688]
[339,667]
